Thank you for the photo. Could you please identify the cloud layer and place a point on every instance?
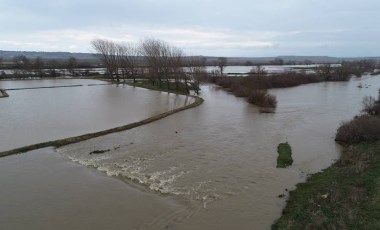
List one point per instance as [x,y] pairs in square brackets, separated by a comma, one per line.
[206,27]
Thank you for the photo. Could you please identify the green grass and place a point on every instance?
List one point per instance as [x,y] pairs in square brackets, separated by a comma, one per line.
[284,158]
[344,196]
[172,87]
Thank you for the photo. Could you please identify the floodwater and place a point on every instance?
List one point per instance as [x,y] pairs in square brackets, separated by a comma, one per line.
[230,70]
[41,190]
[227,70]
[37,115]
[211,167]
[219,160]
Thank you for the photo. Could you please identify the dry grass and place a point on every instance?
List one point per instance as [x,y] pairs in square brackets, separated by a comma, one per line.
[361,129]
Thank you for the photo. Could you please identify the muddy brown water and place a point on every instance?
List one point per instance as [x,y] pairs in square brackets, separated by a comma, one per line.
[37,115]
[211,167]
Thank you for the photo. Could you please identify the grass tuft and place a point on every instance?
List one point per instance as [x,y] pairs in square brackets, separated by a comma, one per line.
[284,158]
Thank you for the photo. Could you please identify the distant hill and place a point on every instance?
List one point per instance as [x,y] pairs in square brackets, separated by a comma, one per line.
[90,57]
[8,55]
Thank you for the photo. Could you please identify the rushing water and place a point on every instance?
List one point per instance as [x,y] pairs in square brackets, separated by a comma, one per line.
[216,163]
[37,115]
[41,190]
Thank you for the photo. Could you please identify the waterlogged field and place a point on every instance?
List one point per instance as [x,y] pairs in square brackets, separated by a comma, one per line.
[211,167]
[37,115]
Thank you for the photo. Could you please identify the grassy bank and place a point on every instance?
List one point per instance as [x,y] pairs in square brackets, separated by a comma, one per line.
[347,194]
[344,196]
[284,158]
[173,88]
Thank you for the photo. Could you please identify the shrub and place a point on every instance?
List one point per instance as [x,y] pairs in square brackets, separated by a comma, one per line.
[257,97]
[262,98]
[270,101]
[361,129]
[224,82]
[369,105]
[284,158]
[241,91]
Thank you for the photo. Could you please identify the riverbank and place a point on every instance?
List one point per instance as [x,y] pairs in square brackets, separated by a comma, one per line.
[180,89]
[344,196]
[347,194]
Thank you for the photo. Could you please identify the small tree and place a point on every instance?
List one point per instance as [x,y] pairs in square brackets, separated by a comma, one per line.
[221,63]
[370,105]
[53,65]
[38,67]
[197,70]
[151,50]
[258,70]
[325,71]
[128,60]
[108,52]
[71,65]
[22,64]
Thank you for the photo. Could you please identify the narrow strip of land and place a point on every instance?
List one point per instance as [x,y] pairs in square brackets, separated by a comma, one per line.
[61,142]
[45,87]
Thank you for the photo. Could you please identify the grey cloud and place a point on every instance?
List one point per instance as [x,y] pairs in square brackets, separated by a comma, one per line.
[341,27]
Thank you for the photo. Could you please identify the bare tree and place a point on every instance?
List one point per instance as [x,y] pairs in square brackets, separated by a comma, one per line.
[221,63]
[325,71]
[71,65]
[369,105]
[128,60]
[38,67]
[108,52]
[197,71]
[52,65]
[1,62]
[22,64]
[258,70]
[155,54]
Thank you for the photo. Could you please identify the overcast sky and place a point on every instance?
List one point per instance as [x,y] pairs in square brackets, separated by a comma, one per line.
[200,27]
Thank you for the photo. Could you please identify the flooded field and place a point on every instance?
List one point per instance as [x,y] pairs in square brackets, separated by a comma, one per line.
[211,167]
[37,115]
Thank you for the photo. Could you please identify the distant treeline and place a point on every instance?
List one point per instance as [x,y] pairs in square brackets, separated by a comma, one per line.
[23,67]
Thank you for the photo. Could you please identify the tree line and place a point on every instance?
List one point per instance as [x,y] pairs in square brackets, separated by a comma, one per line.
[23,67]
[153,60]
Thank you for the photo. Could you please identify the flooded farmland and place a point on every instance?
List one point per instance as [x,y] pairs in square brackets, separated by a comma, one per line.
[36,115]
[211,167]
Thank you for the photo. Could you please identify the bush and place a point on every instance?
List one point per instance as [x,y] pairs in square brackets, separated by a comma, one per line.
[262,98]
[284,158]
[361,129]
[240,91]
[371,106]
[224,82]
